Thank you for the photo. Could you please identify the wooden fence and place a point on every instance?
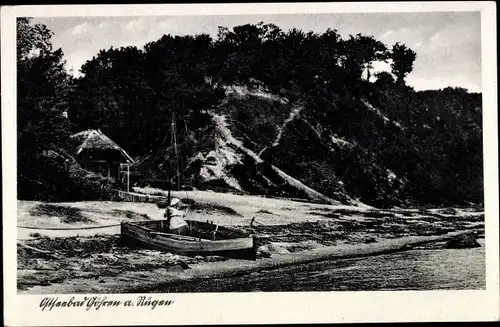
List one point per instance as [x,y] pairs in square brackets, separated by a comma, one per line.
[139,197]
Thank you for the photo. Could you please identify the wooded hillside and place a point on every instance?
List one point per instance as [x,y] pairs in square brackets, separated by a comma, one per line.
[306,103]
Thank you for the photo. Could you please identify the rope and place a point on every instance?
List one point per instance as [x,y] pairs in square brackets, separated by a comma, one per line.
[167,152]
[156,155]
[187,211]
[69,228]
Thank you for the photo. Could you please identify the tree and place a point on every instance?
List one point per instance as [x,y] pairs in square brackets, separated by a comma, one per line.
[42,86]
[240,49]
[183,72]
[384,79]
[329,54]
[402,61]
[113,95]
[32,40]
[131,94]
[42,89]
[359,53]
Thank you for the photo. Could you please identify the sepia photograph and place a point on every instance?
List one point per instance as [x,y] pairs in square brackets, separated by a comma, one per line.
[250,153]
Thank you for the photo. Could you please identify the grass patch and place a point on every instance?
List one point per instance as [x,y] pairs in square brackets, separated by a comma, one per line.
[188,201]
[344,212]
[162,205]
[77,246]
[378,214]
[66,214]
[211,207]
[327,215]
[130,214]
[329,232]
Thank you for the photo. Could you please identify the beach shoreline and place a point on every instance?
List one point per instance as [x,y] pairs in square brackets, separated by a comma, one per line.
[65,259]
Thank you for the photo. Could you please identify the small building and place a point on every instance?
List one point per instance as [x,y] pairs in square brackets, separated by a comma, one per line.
[96,152]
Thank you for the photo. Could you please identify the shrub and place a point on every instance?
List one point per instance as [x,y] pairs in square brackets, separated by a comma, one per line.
[56,176]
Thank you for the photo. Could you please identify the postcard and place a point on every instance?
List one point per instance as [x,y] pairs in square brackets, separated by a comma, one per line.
[250,163]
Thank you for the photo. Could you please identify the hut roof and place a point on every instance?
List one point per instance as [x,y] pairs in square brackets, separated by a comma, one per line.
[95,139]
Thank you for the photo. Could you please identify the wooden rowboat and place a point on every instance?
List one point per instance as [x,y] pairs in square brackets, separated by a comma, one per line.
[200,239]
[203,238]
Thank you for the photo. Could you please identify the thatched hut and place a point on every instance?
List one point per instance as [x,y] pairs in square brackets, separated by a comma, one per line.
[96,152]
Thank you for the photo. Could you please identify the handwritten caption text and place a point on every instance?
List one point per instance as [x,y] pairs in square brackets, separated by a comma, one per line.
[98,302]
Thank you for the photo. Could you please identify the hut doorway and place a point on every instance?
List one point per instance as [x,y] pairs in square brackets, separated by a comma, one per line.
[124,175]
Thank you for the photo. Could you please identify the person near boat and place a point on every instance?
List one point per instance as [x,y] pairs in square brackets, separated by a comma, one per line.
[175,214]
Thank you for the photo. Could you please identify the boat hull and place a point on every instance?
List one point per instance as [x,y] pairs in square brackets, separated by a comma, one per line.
[153,235]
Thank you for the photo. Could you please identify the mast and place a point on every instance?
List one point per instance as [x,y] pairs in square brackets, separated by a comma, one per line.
[169,197]
[174,134]
[173,139]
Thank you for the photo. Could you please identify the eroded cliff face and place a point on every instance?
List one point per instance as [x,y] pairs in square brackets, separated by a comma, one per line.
[345,149]
[265,144]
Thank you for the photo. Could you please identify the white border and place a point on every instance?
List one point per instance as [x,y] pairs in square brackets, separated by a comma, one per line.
[262,307]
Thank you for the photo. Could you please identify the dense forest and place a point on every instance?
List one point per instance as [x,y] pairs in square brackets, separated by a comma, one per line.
[311,105]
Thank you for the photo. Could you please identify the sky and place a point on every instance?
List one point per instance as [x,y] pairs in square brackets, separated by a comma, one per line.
[448,44]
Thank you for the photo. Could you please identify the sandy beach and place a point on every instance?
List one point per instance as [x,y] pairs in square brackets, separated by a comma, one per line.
[75,247]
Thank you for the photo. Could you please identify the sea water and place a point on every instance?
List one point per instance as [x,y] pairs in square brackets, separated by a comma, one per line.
[420,269]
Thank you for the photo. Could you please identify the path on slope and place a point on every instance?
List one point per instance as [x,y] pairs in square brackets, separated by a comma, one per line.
[311,193]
